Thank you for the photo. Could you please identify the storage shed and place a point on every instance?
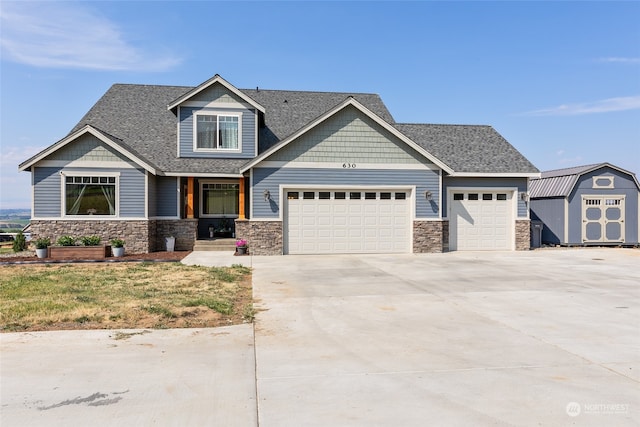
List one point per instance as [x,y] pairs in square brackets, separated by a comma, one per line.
[587,205]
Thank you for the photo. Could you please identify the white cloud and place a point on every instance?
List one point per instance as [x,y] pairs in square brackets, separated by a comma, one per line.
[620,59]
[70,35]
[603,106]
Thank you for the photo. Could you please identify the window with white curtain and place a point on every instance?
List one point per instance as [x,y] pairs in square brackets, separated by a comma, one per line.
[90,195]
[217,132]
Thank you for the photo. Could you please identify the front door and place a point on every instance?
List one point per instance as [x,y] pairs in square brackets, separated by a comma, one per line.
[602,219]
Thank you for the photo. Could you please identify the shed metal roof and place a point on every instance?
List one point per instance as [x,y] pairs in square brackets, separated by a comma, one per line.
[560,182]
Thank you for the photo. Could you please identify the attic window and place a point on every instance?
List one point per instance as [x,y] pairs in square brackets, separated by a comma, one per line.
[217,132]
[602,182]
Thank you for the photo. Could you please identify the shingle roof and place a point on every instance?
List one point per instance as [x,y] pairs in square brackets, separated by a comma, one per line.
[137,115]
[560,182]
[469,148]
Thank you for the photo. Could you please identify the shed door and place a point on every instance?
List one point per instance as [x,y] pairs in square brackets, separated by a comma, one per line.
[602,219]
[347,221]
[481,220]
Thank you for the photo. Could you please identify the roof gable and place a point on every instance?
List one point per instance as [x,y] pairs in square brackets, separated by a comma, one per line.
[196,94]
[350,102]
[111,141]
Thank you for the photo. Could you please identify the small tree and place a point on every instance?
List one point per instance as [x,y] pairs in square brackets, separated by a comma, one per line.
[20,242]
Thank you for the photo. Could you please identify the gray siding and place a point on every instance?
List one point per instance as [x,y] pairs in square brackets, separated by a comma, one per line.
[151,195]
[167,196]
[47,191]
[271,178]
[520,183]
[623,185]
[248,133]
[551,212]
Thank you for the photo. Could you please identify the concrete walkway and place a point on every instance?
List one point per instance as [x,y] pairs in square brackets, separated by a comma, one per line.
[548,337]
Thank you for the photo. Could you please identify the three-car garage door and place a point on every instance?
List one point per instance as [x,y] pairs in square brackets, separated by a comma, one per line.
[347,221]
[481,220]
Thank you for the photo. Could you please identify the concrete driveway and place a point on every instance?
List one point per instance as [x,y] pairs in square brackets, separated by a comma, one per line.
[549,337]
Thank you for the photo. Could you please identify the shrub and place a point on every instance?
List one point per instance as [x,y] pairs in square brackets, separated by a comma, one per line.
[20,242]
[117,243]
[42,242]
[90,240]
[66,241]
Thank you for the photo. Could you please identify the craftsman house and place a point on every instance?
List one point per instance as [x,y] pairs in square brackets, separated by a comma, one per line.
[587,205]
[292,172]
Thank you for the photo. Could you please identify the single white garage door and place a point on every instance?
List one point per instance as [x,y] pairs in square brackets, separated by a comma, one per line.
[347,221]
[481,220]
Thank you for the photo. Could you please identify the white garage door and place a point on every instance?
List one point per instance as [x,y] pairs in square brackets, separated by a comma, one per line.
[481,221]
[347,221]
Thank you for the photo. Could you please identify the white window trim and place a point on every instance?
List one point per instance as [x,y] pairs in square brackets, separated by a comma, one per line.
[63,193]
[201,197]
[197,149]
[595,179]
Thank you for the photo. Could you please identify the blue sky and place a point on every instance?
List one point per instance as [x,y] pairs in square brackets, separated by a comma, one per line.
[559,80]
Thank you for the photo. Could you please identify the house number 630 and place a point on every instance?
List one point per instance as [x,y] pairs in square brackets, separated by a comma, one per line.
[348,165]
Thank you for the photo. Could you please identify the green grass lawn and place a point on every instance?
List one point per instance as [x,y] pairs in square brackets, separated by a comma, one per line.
[122,295]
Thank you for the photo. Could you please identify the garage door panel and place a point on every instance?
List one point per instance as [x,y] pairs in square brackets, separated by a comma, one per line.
[369,224]
[483,224]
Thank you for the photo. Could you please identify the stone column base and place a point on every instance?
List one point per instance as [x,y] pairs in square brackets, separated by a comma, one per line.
[263,237]
[429,236]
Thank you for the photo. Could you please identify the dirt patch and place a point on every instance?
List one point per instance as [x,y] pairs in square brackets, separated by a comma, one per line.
[28,257]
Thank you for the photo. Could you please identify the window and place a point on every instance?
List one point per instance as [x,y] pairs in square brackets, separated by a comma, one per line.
[487,196]
[501,196]
[217,132]
[472,196]
[219,199]
[401,196]
[292,195]
[354,195]
[458,196]
[309,195]
[602,182]
[90,195]
[385,196]
[340,195]
[370,196]
[324,195]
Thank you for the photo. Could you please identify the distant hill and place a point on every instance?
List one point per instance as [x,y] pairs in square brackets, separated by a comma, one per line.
[15,214]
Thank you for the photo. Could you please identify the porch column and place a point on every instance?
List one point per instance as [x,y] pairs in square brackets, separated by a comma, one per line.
[189,207]
[241,214]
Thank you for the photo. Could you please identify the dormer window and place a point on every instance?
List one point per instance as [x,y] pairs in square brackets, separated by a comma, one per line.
[216,132]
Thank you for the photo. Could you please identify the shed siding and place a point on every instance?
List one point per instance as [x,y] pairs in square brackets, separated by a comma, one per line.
[167,196]
[520,183]
[47,191]
[623,185]
[271,178]
[248,133]
[551,212]
[348,137]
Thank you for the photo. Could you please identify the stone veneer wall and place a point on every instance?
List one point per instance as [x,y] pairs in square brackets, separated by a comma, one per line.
[184,230]
[140,236]
[263,237]
[428,236]
[523,235]
[135,233]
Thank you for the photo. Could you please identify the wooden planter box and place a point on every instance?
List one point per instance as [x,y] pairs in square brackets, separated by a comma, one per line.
[79,252]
